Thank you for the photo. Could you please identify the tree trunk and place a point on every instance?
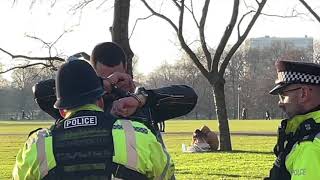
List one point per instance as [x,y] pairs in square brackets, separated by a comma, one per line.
[219,97]
[119,29]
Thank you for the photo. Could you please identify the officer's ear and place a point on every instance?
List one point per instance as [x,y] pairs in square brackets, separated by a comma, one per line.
[100,103]
[63,112]
[306,94]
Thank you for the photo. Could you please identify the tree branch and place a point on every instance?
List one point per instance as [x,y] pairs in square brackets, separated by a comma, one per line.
[306,5]
[54,58]
[294,14]
[51,44]
[160,15]
[177,4]
[241,39]
[101,4]
[183,44]
[59,37]
[81,5]
[38,39]
[202,36]
[225,37]
[25,66]
[180,31]
[282,16]
[138,19]
[240,21]
[192,13]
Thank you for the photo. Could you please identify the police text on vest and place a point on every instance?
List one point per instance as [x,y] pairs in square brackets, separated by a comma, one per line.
[80,121]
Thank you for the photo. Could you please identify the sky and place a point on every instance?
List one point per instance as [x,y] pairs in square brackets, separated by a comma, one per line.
[153,41]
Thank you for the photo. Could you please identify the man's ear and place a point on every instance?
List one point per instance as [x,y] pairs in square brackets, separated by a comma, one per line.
[100,103]
[62,113]
[305,94]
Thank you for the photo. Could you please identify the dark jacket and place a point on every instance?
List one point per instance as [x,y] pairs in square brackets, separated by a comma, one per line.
[163,103]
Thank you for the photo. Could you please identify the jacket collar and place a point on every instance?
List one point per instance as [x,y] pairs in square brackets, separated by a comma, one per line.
[87,107]
[294,123]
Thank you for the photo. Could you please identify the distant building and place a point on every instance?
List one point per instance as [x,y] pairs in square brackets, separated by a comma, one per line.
[263,51]
[282,46]
[260,71]
[267,41]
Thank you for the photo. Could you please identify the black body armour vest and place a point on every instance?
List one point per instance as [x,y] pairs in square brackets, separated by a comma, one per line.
[83,146]
[306,132]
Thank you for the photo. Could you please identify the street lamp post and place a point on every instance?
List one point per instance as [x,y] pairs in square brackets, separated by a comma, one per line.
[239,88]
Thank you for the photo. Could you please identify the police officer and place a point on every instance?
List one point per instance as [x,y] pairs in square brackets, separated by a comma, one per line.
[88,143]
[298,146]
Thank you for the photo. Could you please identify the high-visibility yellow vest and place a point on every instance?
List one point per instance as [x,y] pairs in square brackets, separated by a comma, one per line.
[137,148]
[36,158]
[303,162]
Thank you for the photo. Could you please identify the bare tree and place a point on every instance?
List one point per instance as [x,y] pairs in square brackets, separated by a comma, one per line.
[215,64]
[234,76]
[119,29]
[316,57]
[23,80]
[51,61]
[306,5]
[119,33]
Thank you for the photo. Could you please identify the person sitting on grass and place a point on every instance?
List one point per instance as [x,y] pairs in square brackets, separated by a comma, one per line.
[203,140]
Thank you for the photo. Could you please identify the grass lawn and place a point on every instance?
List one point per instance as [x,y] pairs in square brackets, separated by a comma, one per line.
[251,157]
[234,125]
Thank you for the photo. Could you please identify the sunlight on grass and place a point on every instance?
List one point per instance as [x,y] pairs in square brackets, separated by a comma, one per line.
[235,125]
[251,157]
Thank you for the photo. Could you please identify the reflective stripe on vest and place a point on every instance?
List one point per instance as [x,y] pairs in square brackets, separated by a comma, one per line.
[41,153]
[130,144]
[164,172]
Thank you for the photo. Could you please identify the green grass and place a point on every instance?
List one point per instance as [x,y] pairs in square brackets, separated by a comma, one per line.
[21,127]
[234,125]
[251,157]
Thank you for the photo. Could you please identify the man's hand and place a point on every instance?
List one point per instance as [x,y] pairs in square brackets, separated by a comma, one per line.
[121,80]
[125,107]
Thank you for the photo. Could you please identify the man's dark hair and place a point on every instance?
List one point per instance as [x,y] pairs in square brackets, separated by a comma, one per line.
[109,54]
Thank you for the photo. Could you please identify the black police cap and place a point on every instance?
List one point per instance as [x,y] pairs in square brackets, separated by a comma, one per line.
[77,84]
[44,89]
[295,72]
[45,96]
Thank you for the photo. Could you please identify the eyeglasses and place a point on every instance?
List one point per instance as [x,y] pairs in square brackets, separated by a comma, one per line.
[282,96]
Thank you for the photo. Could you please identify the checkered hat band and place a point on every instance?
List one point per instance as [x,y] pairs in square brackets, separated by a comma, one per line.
[289,76]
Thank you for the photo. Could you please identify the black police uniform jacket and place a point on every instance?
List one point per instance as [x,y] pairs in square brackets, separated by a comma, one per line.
[83,146]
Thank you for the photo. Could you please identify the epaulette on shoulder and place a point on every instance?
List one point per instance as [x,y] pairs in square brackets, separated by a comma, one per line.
[34,131]
[43,131]
[34,135]
[308,130]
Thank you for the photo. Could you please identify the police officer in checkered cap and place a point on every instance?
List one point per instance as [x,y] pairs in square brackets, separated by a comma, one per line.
[298,145]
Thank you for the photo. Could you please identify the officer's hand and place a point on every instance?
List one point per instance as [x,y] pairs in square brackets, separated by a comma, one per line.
[124,107]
